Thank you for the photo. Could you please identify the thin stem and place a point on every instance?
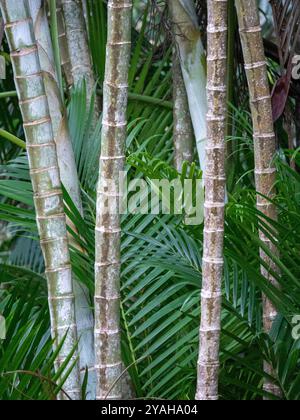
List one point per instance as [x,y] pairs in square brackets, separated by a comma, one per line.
[232,27]
[79,51]
[150,100]
[193,65]
[13,139]
[11,94]
[55,42]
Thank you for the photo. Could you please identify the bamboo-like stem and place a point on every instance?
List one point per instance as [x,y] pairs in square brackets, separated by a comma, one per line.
[80,59]
[65,153]
[108,229]
[45,178]
[193,66]
[231,74]
[63,45]
[68,175]
[183,134]
[85,12]
[215,187]
[55,42]
[264,141]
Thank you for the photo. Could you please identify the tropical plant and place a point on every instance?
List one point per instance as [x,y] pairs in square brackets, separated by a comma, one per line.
[192,58]
[161,269]
[79,55]
[50,64]
[215,192]
[46,183]
[264,138]
[108,229]
[183,135]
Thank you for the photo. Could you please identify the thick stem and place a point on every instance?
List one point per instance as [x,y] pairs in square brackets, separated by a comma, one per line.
[264,141]
[183,134]
[65,153]
[45,178]
[80,59]
[193,66]
[69,178]
[108,229]
[215,187]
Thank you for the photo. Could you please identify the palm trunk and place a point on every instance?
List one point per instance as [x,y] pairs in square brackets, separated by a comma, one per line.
[81,65]
[65,153]
[69,178]
[63,45]
[215,187]
[85,12]
[264,140]
[192,59]
[108,229]
[183,134]
[45,178]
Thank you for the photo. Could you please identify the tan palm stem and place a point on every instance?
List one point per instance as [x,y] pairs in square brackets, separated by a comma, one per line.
[108,228]
[264,142]
[183,134]
[46,183]
[215,187]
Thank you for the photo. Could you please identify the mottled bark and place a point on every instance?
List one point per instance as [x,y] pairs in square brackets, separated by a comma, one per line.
[44,171]
[69,178]
[290,129]
[79,53]
[193,66]
[108,229]
[215,187]
[183,134]
[264,141]
[63,46]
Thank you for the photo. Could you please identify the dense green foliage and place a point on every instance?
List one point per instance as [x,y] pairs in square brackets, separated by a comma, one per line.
[161,256]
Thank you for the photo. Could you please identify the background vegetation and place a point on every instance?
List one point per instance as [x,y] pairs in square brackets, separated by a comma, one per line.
[161,256]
